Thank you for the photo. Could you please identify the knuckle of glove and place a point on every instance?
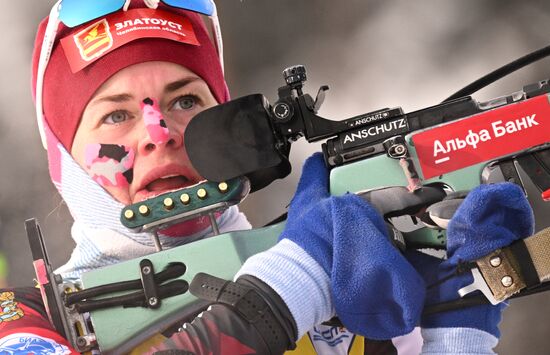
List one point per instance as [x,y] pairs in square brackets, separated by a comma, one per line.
[491,217]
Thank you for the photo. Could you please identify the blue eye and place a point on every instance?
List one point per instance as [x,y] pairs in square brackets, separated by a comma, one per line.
[186,102]
[116,117]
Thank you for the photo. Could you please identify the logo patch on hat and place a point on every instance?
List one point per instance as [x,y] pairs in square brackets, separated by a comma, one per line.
[115,30]
[94,40]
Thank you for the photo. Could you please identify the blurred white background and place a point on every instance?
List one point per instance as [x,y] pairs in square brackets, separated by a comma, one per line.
[372,54]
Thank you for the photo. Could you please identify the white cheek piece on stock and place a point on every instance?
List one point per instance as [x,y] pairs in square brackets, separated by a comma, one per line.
[49,40]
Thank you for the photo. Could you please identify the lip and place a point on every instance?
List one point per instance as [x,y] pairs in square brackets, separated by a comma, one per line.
[170,169]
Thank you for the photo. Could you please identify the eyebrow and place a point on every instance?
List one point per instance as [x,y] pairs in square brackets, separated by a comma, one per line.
[169,88]
[113,98]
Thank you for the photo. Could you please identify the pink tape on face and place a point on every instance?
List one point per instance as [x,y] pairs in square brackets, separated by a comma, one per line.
[154,122]
[110,164]
[91,153]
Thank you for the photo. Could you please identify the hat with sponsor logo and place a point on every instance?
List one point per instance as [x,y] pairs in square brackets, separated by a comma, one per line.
[84,57]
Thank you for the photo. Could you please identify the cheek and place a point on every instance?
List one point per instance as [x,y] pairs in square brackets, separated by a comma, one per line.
[154,121]
[110,165]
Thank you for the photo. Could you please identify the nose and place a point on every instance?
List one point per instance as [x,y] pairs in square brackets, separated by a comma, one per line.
[157,133]
[148,144]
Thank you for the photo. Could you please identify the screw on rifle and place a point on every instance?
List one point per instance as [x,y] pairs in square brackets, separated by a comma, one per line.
[397,151]
[395,147]
[223,187]
[85,341]
[400,149]
[495,261]
[129,214]
[146,270]
[185,198]
[507,281]
[168,203]
[153,301]
[144,210]
[202,194]
[81,342]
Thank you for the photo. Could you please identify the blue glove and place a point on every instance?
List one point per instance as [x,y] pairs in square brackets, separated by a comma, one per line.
[376,292]
[491,217]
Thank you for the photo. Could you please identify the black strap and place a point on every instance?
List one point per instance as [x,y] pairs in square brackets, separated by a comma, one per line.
[247,303]
[526,266]
[478,299]
[134,299]
[171,271]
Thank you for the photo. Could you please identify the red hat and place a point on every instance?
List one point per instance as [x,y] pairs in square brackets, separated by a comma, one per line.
[66,94]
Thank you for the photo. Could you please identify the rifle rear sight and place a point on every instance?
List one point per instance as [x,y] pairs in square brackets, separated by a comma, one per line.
[295,115]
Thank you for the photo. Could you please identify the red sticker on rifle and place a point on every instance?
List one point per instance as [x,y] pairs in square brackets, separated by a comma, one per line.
[482,137]
[113,31]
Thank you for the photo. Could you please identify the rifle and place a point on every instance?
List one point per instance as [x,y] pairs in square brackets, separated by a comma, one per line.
[452,146]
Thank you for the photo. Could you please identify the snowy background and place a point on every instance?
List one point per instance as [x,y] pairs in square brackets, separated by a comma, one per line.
[372,54]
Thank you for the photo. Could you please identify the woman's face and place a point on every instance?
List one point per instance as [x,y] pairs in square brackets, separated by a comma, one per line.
[130,138]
